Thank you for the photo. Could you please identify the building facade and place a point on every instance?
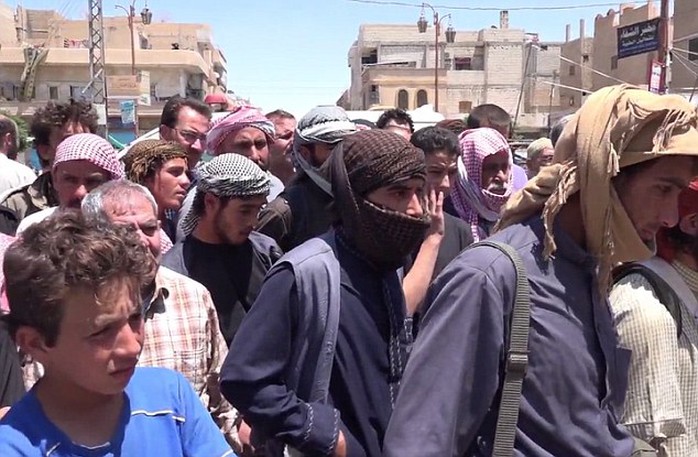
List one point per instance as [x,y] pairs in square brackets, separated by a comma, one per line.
[684,62]
[576,63]
[176,59]
[394,65]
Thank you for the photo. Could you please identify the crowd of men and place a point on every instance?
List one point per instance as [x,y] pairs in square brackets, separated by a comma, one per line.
[329,286]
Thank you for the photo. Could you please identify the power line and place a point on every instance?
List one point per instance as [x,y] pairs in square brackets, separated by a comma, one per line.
[593,70]
[490,8]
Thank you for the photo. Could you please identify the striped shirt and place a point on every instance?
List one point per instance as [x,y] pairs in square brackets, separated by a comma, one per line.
[661,405]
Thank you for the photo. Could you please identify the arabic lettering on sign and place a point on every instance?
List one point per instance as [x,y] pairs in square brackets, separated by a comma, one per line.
[638,38]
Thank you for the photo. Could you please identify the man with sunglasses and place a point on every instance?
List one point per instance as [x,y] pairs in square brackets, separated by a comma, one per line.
[186,121]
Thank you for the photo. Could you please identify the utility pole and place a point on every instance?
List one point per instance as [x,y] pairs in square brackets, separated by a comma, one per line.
[664,42]
[98,75]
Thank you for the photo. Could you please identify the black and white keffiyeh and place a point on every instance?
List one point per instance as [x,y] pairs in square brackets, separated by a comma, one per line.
[228,176]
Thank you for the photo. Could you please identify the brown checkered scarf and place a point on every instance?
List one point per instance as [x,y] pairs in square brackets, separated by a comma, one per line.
[362,163]
[617,127]
[148,156]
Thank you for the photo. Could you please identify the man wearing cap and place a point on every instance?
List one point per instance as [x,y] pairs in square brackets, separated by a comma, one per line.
[655,312]
[539,154]
[617,173]
[317,362]
[302,210]
[83,161]
[218,102]
[484,182]
[246,131]
[161,166]
[221,250]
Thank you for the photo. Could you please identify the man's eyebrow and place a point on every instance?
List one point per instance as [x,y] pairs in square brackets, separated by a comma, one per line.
[676,182]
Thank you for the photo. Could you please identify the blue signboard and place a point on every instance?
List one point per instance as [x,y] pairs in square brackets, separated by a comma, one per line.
[638,38]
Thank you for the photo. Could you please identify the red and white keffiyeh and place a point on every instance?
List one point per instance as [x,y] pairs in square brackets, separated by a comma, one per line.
[92,148]
[471,201]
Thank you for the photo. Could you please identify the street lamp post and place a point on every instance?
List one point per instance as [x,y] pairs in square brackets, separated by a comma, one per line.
[146,17]
[450,38]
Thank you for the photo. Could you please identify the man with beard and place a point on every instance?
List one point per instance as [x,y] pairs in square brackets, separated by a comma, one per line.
[302,210]
[221,250]
[12,173]
[484,181]
[318,360]
[83,162]
[539,154]
[246,131]
[654,309]
[280,151]
[552,361]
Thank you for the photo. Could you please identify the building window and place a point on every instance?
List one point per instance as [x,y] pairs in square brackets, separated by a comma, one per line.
[585,58]
[462,63]
[153,90]
[614,63]
[403,99]
[573,70]
[53,93]
[465,106]
[422,98]
[693,49]
[76,92]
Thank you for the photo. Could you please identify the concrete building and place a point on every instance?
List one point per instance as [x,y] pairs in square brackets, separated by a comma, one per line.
[634,69]
[178,59]
[394,65]
[576,63]
[684,62]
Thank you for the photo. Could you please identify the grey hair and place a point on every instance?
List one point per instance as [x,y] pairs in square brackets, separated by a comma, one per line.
[113,192]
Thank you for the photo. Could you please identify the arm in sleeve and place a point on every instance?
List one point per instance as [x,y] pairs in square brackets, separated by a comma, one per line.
[222,412]
[11,382]
[417,281]
[452,375]
[653,407]
[254,371]
[199,434]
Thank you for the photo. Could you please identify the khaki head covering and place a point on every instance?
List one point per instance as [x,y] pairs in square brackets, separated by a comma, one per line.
[617,127]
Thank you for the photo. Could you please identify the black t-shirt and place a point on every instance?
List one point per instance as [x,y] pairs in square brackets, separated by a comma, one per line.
[11,384]
[233,275]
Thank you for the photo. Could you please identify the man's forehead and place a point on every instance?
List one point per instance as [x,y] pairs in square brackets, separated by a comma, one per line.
[132,207]
[191,119]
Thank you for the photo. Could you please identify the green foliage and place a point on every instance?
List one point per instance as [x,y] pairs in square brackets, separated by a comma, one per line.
[23,128]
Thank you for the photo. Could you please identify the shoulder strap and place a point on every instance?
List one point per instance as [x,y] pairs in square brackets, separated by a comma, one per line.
[665,294]
[516,357]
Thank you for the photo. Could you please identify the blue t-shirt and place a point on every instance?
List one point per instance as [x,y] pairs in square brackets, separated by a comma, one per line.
[161,416]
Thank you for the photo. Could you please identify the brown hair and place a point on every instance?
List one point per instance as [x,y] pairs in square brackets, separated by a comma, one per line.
[56,115]
[146,157]
[64,252]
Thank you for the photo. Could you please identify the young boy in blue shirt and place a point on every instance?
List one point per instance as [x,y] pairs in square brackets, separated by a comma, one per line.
[75,291]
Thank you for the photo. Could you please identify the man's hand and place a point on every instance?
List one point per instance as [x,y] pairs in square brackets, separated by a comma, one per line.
[341,449]
[245,435]
[435,208]
[4,411]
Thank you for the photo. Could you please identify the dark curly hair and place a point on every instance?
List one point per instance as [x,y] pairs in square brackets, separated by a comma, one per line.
[56,115]
[65,252]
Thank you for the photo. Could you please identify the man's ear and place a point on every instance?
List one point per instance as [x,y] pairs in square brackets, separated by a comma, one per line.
[32,343]
[211,203]
[164,132]
[689,224]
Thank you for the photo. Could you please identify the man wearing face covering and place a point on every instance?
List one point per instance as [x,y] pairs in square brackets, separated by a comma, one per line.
[317,362]
[616,176]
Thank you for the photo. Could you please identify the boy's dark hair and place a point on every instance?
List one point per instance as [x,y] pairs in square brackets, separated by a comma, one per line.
[456,126]
[431,139]
[279,113]
[489,115]
[64,252]
[56,115]
[398,115]
[175,104]
[557,129]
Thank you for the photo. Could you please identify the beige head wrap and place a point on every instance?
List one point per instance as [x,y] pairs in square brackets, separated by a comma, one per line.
[618,126]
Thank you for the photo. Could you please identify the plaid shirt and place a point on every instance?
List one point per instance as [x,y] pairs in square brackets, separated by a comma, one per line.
[661,404]
[182,333]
